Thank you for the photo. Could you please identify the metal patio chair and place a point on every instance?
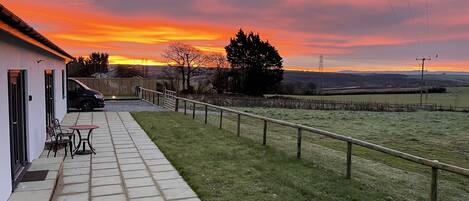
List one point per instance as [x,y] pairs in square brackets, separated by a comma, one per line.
[64,131]
[56,140]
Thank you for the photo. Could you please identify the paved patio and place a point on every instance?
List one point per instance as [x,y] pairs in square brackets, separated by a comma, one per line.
[127,166]
[130,106]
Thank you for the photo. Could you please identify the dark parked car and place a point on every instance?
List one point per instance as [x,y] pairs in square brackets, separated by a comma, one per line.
[82,97]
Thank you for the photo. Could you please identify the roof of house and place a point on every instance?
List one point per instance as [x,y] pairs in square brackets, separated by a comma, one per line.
[17,23]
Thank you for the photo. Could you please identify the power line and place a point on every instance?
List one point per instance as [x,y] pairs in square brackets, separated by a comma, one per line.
[409,8]
[393,10]
[422,82]
[427,13]
[321,69]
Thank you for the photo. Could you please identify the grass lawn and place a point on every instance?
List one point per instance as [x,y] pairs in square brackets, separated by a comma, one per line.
[456,96]
[435,135]
[221,166]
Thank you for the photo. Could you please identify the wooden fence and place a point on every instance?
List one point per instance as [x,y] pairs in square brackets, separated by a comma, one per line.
[435,165]
[170,99]
[119,86]
[165,99]
[292,103]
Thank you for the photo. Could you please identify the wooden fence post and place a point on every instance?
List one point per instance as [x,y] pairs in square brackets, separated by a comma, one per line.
[176,105]
[164,98]
[264,137]
[157,99]
[221,118]
[153,96]
[434,188]
[238,127]
[120,88]
[185,107]
[193,110]
[298,143]
[348,174]
[206,111]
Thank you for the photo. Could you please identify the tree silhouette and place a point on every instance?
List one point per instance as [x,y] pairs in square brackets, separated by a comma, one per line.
[256,65]
[185,58]
[95,63]
[220,78]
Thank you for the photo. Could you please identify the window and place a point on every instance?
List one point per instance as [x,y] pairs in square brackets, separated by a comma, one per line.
[73,86]
[63,84]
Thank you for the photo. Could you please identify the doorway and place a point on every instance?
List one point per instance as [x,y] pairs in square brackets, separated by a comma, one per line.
[50,96]
[17,114]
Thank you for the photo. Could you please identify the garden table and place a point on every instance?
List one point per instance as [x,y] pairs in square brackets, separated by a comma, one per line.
[87,140]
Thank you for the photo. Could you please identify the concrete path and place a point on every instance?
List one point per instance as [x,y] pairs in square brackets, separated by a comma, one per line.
[130,106]
[127,166]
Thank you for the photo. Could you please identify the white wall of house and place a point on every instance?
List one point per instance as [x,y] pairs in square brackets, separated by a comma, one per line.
[18,54]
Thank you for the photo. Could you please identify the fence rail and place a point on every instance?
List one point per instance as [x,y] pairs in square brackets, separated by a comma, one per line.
[119,86]
[433,164]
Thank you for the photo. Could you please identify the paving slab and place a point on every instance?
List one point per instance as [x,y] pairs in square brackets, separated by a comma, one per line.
[41,195]
[106,190]
[139,192]
[156,198]
[120,197]
[76,179]
[74,188]
[178,193]
[101,181]
[75,171]
[74,197]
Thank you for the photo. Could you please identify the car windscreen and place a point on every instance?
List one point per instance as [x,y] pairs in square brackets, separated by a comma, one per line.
[82,85]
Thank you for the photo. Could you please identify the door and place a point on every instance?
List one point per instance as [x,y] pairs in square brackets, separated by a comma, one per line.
[50,95]
[17,114]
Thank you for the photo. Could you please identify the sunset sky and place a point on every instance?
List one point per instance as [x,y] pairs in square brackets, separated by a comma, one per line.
[371,35]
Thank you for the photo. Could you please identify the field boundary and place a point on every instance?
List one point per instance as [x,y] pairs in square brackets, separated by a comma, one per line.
[293,103]
[435,165]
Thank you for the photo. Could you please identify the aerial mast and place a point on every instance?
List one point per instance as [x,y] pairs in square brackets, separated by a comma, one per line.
[422,82]
[321,69]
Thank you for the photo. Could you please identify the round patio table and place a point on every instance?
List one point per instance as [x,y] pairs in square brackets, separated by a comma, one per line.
[87,140]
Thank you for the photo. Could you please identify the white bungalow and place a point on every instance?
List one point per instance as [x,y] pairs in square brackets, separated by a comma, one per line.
[32,92]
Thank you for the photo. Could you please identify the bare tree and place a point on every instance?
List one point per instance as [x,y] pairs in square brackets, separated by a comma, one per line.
[217,60]
[220,77]
[186,59]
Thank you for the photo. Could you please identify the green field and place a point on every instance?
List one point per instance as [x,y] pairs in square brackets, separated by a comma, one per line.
[456,96]
[320,175]
[220,166]
[435,135]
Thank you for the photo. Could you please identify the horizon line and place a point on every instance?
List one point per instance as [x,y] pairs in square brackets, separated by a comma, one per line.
[302,69]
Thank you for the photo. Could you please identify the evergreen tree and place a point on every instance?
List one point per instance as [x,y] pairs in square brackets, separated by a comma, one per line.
[256,64]
[95,63]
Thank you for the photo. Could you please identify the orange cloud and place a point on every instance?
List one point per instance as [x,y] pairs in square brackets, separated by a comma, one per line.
[119,59]
[81,27]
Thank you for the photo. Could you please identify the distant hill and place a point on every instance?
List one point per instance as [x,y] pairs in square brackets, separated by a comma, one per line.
[374,80]
[414,72]
[360,79]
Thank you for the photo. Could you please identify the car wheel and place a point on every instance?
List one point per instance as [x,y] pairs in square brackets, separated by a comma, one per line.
[86,106]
